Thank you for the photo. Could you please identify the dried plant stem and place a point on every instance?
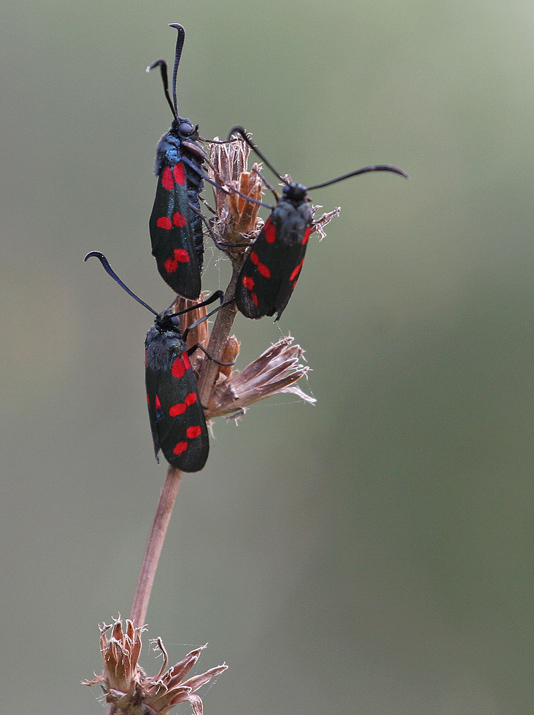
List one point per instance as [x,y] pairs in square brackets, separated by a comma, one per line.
[219,336]
[153,552]
[154,546]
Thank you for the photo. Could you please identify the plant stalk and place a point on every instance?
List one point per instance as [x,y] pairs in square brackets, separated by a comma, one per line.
[218,339]
[154,546]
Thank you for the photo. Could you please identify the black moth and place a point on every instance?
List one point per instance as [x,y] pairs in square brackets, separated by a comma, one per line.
[274,262]
[176,415]
[175,223]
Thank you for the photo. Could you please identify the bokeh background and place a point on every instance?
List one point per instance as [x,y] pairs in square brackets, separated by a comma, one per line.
[373,554]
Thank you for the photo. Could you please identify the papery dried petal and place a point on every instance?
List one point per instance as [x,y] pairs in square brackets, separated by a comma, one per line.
[196,704]
[168,691]
[230,353]
[197,681]
[178,672]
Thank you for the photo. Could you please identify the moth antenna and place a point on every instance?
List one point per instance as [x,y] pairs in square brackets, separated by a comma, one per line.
[105,263]
[241,131]
[164,78]
[365,170]
[179,46]
[217,295]
[267,184]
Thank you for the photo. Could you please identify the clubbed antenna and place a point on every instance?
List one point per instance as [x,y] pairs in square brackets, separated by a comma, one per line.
[365,170]
[164,78]
[173,104]
[179,46]
[241,131]
[217,295]
[105,263]
[377,167]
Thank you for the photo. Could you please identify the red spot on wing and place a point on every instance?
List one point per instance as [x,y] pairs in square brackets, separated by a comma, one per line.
[263,270]
[179,219]
[178,368]
[181,407]
[179,255]
[158,412]
[185,358]
[306,235]
[178,172]
[180,448]
[248,282]
[296,272]
[269,231]
[193,432]
[164,222]
[166,179]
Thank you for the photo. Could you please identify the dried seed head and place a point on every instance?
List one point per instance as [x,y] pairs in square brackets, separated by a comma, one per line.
[237,219]
[120,648]
[275,371]
[130,690]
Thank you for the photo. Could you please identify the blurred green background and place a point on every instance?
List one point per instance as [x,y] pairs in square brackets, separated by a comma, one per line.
[373,554]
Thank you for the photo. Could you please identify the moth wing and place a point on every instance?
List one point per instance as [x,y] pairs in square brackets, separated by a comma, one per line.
[273,265]
[173,244]
[291,271]
[257,287]
[176,414]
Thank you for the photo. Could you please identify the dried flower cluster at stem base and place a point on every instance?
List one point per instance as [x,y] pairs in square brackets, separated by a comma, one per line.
[130,690]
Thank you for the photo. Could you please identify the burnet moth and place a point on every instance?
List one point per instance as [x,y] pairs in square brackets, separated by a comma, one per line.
[274,262]
[176,415]
[175,223]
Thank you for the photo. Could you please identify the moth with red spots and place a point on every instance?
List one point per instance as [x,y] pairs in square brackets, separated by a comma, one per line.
[274,263]
[175,223]
[176,415]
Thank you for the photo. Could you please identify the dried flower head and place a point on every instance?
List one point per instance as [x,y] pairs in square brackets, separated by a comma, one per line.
[237,219]
[275,371]
[130,690]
